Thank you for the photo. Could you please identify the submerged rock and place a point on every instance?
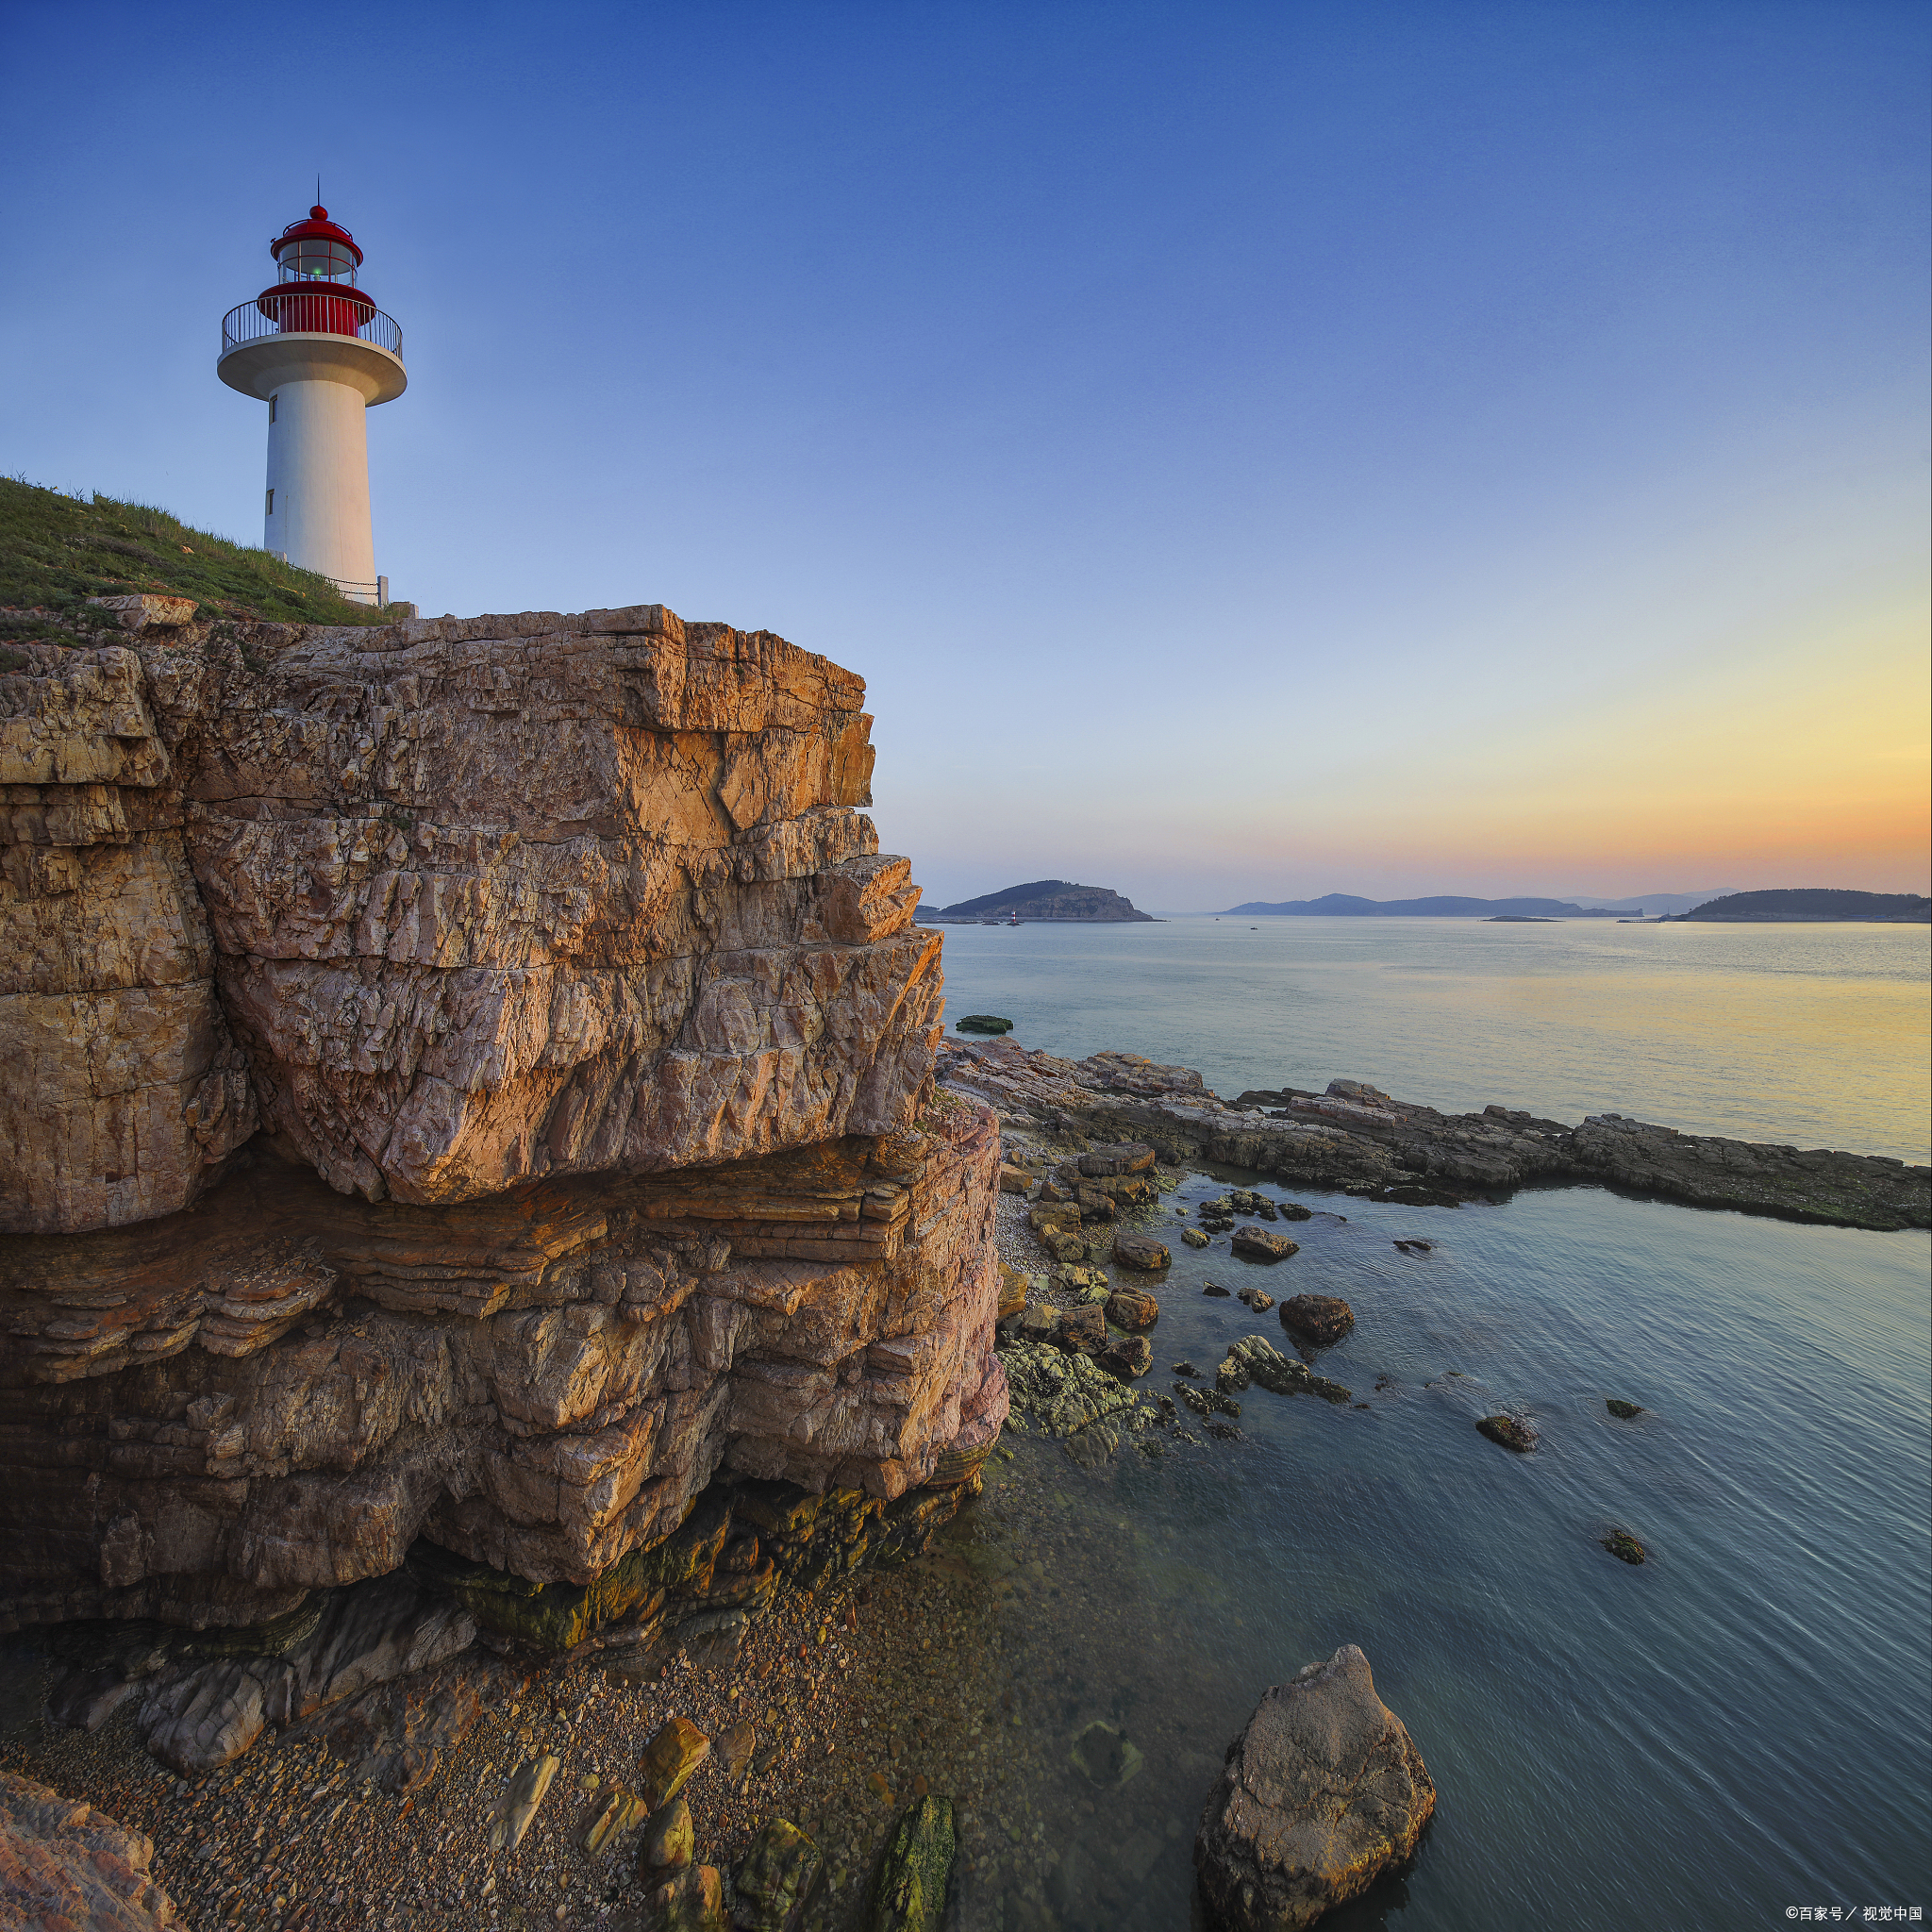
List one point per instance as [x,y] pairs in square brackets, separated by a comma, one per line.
[669,1842]
[676,1748]
[774,1879]
[1511,1431]
[1624,1546]
[1106,1757]
[1317,1318]
[908,1889]
[1623,1411]
[1321,1792]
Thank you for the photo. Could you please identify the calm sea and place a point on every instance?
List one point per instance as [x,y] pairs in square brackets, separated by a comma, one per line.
[1737,1730]
[1818,1036]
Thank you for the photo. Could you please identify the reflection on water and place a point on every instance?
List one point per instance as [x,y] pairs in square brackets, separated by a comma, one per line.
[1816,1035]
[1738,1725]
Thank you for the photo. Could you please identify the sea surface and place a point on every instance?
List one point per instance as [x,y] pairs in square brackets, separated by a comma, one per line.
[1813,1036]
[1736,1730]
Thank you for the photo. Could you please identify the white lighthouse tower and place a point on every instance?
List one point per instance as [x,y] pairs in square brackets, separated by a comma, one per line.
[319,352]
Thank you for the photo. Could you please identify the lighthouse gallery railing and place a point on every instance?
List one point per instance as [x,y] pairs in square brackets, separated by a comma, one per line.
[302,313]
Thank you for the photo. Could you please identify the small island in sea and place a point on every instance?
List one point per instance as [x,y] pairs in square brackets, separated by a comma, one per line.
[1438,906]
[1814,906]
[1044,899]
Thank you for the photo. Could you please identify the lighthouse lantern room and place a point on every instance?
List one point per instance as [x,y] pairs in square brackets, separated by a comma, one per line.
[315,348]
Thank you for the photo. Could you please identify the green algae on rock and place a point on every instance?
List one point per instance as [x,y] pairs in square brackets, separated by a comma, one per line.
[909,1888]
[775,1878]
[1511,1431]
[983,1023]
[1624,1546]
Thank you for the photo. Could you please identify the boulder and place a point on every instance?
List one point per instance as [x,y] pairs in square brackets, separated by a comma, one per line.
[1084,1329]
[668,1842]
[1193,1236]
[520,1800]
[1623,1411]
[1317,1317]
[1127,1356]
[1257,1244]
[1512,1432]
[1014,1180]
[1131,1156]
[774,1879]
[145,611]
[1012,1291]
[693,1901]
[65,1865]
[676,1749]
[1265,1363]
[1132,1307]
[1321,1793]
[1257,1298]
[909,1888]
[1140,1251]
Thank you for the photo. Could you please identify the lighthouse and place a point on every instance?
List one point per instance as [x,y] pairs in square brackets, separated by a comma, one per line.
[320,354]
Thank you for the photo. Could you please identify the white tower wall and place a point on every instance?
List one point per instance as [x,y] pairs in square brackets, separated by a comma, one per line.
[316,510]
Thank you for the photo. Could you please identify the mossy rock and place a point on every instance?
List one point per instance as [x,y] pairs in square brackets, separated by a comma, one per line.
[909,1886]
[1623,1411]
[775,1878]
[1623,1546]
[1511,1431]
[982,1023]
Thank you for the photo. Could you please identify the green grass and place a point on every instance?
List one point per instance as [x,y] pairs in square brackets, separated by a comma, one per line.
[58,551]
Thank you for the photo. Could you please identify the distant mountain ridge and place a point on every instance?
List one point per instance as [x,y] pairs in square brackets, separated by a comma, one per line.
[1814,905]
[1046,899]
[1441,906]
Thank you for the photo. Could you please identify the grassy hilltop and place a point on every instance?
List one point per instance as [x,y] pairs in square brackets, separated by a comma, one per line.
[58,551]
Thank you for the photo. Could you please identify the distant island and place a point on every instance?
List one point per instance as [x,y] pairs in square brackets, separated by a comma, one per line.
[1813,905]
[1443,906]
[1044,899]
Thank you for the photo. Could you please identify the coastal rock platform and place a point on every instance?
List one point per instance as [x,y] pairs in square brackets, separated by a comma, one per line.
[1357,1140]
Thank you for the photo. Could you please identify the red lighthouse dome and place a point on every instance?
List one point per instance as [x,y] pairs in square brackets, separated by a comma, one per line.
[315,289]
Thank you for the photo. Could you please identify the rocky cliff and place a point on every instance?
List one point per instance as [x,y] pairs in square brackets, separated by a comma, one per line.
[465,1081]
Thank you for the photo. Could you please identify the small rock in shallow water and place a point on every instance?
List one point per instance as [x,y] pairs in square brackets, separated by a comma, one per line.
[1257,1244]
[519,1804]
[676,1748]
[1183,1369]
[1623,1411]
[669,1842]
[1127,1356]
[1621,1544]
[1214,1287]
[691,1902]
[1317,1318]
[774,1879]
[1129,1307]
[908,1890]
[1140,1251]
[1509,1431]
[1106,1757]
[1193,1236]
[1257,1299]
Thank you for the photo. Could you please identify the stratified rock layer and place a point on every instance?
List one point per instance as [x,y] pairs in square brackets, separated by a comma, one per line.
[64,1864]
[590,1044]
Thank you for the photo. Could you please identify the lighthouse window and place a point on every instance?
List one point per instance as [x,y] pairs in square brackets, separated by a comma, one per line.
[270,510]
[272,402]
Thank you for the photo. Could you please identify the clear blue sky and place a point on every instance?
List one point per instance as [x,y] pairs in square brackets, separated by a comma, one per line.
[1250,452]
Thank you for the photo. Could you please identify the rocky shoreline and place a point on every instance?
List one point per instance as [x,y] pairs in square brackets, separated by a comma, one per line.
[1357,1140]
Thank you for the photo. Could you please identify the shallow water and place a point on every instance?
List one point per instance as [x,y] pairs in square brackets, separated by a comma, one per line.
[1818,1035]
[1737,1726]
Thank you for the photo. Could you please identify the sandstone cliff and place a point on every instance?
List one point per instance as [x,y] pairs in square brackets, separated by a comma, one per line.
[467,1080]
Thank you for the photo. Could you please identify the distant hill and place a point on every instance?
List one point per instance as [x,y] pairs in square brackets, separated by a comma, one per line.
[1045,899]
[1344,904]
[1815,904]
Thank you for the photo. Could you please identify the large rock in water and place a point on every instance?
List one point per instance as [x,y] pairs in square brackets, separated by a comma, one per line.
[465,1080]
[1321,1792]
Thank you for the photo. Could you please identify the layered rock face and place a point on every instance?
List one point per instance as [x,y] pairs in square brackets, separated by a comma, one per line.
[468,1081]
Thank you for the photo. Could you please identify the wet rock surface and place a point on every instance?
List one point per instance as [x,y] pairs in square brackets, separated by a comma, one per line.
[1511,1431]
[1321,1793]
[1317,1317]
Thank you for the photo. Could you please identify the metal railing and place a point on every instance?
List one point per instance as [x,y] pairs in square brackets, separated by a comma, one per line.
[326,311]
